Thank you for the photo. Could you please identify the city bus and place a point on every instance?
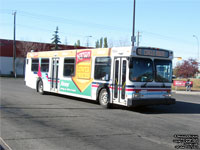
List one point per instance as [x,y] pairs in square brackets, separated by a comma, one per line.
[128,76]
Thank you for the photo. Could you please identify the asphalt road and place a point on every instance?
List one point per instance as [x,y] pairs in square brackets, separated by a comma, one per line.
[30,121]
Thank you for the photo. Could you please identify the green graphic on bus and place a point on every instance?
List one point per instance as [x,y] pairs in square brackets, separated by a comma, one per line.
[69,87]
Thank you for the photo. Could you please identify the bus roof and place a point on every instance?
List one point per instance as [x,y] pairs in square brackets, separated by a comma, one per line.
[69,53]
[99,52]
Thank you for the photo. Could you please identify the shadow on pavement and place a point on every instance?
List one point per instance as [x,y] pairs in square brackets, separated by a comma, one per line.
[178,108]
[72,98]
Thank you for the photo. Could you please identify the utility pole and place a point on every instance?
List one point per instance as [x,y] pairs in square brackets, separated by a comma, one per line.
[138,39]
[14,45]
[133,34]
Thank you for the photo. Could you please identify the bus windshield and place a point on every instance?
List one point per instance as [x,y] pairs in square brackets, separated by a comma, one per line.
[141,70]
[163,70]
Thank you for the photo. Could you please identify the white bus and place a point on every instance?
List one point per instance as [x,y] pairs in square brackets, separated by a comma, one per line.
[129,76]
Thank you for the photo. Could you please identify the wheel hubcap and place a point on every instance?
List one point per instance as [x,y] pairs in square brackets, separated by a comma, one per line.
[104,98]
[40,87]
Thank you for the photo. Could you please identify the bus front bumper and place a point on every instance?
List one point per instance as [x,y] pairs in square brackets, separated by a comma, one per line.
[147,102]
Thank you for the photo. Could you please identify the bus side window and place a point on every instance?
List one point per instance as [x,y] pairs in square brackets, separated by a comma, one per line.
[69,67]
[102,68]
[27,61]
[35,63]
[45,65]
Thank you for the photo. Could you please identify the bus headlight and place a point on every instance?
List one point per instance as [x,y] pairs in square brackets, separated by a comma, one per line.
[136,95]
[167,95]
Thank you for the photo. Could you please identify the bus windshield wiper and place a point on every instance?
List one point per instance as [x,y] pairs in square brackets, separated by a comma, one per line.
[144,85]
[163,84]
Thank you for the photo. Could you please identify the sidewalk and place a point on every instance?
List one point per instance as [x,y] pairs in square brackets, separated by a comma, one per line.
[187,92]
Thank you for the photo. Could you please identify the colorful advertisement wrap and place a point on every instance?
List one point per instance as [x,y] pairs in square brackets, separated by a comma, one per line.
[81,82]
[70,87]
[83,65]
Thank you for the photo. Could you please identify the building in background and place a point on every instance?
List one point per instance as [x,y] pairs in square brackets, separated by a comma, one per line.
[22,47]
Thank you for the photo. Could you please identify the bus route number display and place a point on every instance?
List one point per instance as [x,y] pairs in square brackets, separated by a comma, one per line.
[152,52]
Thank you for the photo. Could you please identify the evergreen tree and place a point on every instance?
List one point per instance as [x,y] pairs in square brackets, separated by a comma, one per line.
[105,43]
[101,43]
[97,44]
[78,43]
[56,39]
[75,45]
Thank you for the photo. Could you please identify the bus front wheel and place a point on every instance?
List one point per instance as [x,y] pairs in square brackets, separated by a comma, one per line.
[40,87]
[104,98]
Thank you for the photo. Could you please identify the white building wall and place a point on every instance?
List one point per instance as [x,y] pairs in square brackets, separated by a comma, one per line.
[6,65]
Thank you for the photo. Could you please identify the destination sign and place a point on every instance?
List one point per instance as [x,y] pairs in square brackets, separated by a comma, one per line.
[152,52]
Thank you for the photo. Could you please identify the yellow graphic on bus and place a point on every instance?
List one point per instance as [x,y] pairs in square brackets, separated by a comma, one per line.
[82,78]
[83,71]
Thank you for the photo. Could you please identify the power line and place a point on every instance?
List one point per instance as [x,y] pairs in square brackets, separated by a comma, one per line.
[66,21]
[47,30]
[83,23]
[70,21]
[167,38]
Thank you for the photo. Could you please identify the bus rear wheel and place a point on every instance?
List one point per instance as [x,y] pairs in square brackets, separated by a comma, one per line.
[104,98]
[40,88]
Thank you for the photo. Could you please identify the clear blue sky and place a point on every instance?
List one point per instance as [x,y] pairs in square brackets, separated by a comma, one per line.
[168,24]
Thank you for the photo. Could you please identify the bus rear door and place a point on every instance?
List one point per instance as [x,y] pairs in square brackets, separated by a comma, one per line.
[54,74]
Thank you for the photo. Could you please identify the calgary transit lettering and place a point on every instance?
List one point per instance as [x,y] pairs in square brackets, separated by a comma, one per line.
[83,56]
[152,52]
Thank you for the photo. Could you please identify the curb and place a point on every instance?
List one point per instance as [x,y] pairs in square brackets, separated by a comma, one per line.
[186,92]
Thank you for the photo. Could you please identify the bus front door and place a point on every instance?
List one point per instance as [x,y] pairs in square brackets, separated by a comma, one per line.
[54,74]
[119,80]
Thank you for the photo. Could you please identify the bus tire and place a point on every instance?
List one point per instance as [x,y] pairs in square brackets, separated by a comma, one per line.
[40,87]
[104,98]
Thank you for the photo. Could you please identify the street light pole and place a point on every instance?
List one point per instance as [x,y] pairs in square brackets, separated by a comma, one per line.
[87,44]
[133,34]
[14,45]
[197,46]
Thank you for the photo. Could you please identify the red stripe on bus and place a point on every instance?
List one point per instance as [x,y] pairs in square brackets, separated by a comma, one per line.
[95,85]
[53,81]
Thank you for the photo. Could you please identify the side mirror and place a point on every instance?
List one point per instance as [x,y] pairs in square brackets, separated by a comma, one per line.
[173,77]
